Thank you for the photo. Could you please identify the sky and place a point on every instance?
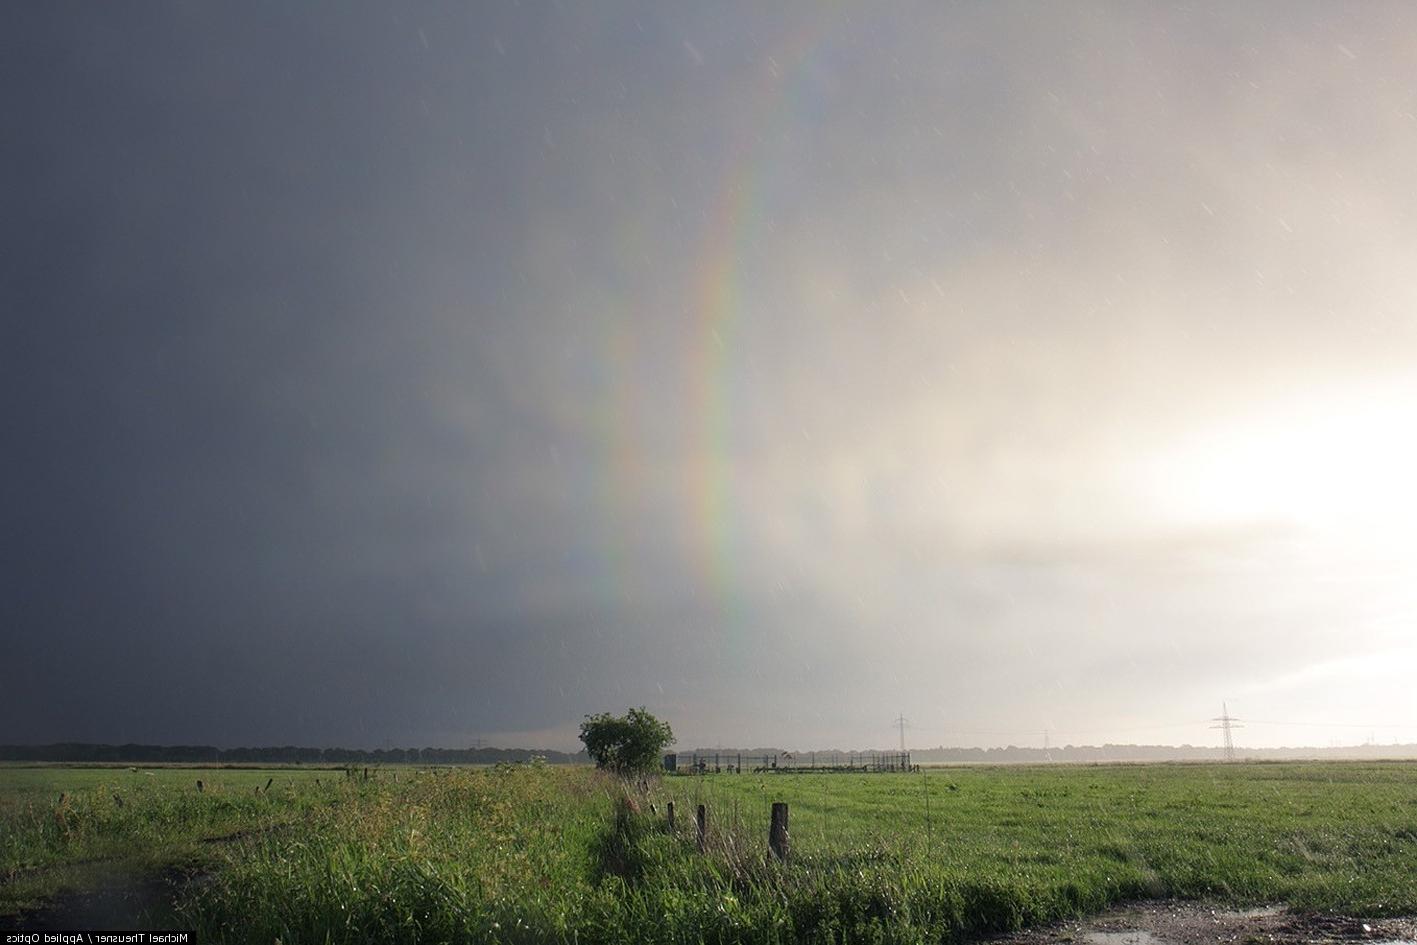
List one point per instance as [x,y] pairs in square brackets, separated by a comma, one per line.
[400,375]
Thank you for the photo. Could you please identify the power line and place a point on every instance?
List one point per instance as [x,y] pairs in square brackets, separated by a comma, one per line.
[1074,731]
[1334,724]
[1060,734]
[901,721]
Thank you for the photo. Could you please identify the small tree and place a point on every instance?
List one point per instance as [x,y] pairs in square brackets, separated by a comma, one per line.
[625,743]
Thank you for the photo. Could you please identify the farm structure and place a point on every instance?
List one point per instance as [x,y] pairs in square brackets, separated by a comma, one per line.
[786,762]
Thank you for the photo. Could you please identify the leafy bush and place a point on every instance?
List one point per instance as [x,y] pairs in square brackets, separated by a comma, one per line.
[625,743]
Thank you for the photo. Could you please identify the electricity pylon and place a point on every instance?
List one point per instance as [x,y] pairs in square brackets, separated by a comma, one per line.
[1227,722]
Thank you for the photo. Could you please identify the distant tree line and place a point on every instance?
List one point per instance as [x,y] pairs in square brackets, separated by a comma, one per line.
[1082,754]
[288,754]
[1087,754]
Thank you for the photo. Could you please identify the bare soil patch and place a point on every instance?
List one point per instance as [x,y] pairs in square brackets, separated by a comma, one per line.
[1165,922]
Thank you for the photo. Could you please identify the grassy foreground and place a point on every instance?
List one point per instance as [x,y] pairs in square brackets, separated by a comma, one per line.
[77,828]
[537,854]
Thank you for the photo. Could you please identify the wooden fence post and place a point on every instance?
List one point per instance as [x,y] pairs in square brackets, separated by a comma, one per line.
[702,819]
[670,808]
[777,833]
[199,785]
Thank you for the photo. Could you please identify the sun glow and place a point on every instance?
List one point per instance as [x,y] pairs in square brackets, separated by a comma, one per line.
[1345,464]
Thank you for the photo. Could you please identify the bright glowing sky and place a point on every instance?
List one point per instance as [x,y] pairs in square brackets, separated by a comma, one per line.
[417,375]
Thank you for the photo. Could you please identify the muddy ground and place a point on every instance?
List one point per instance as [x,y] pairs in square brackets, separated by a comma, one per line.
[1189,923]
[147,904]
[117,904]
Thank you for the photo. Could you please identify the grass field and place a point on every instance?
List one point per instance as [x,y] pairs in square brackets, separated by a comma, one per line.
[537,854]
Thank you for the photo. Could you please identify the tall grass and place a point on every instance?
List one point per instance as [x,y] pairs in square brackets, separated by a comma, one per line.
[493,855]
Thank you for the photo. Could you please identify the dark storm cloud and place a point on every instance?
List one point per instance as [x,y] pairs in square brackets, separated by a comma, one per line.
[350,360]
[219,230]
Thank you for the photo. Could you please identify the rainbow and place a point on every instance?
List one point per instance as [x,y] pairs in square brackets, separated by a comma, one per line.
[718,305]
[781,98]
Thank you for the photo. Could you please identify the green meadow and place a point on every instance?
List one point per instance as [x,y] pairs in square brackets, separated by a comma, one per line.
[563,854]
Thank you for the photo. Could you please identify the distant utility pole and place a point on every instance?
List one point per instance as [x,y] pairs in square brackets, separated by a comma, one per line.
[1046,754]
[1227,722]
[901,721]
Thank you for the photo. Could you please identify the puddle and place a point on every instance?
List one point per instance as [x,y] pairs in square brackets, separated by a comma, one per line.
[1134,937]
[1258,912]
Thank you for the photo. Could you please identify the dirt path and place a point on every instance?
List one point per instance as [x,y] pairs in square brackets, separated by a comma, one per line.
[128,903]
[1185,923]
[121,897]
